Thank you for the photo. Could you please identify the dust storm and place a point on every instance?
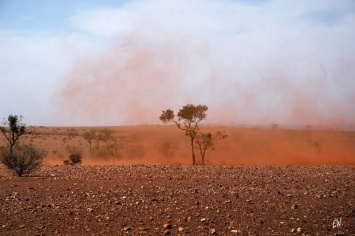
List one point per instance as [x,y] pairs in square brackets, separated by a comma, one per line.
[131,82]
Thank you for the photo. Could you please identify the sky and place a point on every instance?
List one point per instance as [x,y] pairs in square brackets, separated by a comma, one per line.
[107,62]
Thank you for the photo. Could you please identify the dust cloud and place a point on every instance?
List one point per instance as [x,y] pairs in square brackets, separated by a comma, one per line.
[129,84]
[164,145]
[132,81]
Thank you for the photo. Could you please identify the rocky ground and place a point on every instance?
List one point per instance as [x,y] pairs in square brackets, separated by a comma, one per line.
[179,200]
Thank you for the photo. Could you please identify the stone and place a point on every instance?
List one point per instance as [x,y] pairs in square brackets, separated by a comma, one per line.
[167,226]
[236,231]
[213,231]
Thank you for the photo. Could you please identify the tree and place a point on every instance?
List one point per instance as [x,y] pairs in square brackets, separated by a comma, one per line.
[12,130]
[206,141]
[188,119]
[23,159]
[89,136]
[105,136]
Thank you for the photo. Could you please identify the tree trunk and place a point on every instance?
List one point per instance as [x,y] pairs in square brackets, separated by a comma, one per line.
[203,156]
[11,148]
[193,152]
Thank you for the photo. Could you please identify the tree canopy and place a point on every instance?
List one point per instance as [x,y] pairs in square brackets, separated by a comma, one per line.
[12,130]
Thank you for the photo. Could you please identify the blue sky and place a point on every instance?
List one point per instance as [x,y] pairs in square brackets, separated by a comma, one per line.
[122,62]
[46,15]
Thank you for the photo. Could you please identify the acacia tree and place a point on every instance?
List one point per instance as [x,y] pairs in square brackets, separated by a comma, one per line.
[12,130]
[105,136]
[206,141]
[89,136]
[188,119]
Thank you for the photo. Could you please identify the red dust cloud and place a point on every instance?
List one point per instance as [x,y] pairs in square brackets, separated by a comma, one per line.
[132,82]
[163,145]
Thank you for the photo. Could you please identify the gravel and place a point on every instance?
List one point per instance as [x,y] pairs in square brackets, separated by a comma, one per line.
[179,200]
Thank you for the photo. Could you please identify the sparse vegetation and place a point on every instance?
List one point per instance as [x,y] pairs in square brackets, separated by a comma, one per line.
[188,119]
[207,141]
[105,136]
[75,156]
[72,133]
[23,159]
[20,159]
[89,136]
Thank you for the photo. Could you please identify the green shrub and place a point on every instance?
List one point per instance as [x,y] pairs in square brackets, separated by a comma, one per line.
[24,159]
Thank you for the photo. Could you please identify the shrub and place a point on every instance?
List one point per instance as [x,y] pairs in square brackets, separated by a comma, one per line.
[75,156]
[24,159]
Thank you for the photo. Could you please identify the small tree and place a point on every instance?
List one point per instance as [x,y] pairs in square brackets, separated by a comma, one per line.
[12,130]
[23,159]
[188,119]
[105,136]
[206,141]
[89,136]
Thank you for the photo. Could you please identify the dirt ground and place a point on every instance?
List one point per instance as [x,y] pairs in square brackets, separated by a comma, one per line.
[179,200]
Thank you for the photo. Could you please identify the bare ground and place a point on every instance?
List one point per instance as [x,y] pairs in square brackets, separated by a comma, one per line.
[179,200]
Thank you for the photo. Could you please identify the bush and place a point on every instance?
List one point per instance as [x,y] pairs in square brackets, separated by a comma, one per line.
[75,156]
[24,159]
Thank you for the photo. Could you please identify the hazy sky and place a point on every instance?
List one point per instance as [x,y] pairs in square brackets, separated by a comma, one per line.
[109,62]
